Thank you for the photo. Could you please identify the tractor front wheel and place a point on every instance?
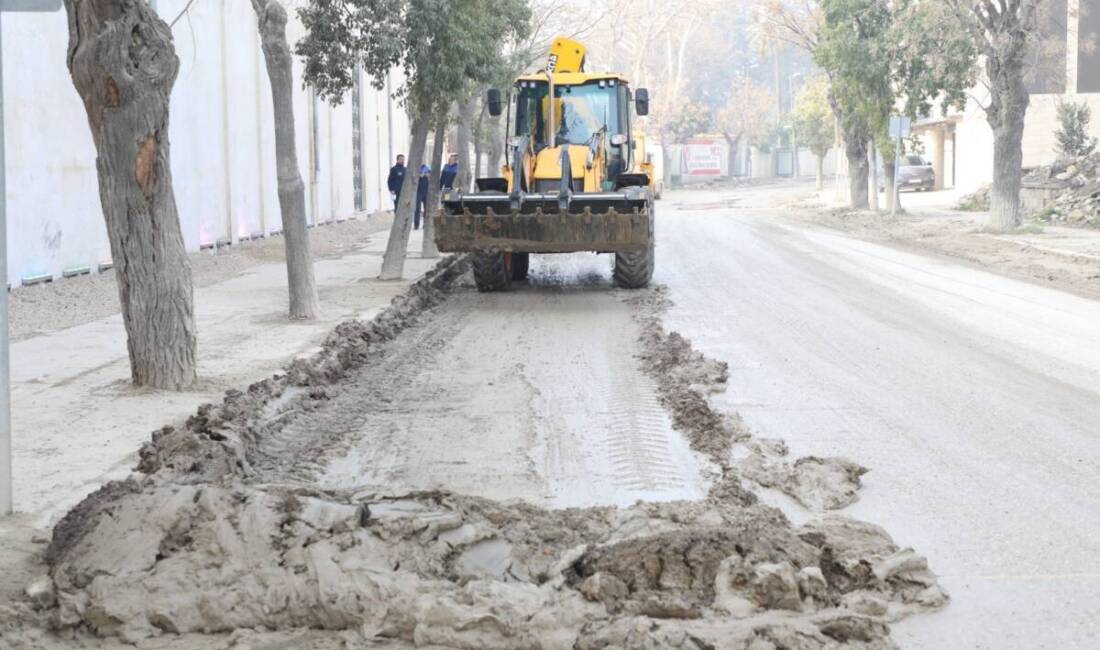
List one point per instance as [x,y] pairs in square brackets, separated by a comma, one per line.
[521,262]
[634,270]
[492,271]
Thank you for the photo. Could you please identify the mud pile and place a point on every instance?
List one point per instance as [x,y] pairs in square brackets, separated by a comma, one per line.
[210,537]
[685,378]
[436,568]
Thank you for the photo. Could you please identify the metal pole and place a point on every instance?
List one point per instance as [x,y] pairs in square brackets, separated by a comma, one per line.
[895,190]
[6,502]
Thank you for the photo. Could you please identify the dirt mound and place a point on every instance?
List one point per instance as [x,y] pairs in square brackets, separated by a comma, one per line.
[470,573]
[818,483]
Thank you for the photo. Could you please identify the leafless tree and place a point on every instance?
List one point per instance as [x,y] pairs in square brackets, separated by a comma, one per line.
[123,64]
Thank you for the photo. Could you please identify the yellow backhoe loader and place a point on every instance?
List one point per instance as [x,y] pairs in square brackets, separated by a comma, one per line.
[570,183]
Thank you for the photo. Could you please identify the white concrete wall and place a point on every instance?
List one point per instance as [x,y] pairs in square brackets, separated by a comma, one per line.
[221,133]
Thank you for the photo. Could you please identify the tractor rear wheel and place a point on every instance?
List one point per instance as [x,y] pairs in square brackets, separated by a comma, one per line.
[491,271]
[633,270]
[521,262]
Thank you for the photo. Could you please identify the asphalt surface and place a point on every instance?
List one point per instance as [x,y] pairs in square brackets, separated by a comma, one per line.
[974,400]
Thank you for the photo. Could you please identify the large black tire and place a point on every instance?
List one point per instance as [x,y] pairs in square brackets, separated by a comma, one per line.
[490,272]
[521,262]
[634,270]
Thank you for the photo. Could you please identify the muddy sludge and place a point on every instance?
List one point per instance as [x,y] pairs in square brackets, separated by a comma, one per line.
[437,568]
[214,542]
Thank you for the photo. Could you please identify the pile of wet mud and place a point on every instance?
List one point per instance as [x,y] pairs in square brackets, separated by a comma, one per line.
[209,537]
[685,378]
[435,568]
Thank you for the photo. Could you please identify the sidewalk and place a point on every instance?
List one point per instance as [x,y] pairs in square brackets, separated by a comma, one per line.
[1056,256]
[76,420]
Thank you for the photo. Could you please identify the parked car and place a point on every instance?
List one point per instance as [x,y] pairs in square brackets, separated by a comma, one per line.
[915,173]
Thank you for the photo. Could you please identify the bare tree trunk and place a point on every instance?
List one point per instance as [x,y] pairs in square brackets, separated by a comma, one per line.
[393,262]
[856,150]
[732,145]
[428,248]
[479,138]
[123,65]
[1008,162]
[272,18]
[1006,113]
[465,123]
[496,146]
[820,172]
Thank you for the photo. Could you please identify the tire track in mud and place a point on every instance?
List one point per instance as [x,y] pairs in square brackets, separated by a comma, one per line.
[637,443]
[308,442]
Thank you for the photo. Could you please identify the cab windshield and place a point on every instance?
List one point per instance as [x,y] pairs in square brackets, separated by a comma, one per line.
[580,111]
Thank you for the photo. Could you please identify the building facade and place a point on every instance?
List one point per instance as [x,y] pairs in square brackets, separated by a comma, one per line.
[221,133]
[1066,67]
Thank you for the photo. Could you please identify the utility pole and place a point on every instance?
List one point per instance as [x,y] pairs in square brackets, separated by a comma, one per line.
[7,502]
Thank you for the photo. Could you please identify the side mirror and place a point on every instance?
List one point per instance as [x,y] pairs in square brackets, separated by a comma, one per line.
[494,102]
[641,101]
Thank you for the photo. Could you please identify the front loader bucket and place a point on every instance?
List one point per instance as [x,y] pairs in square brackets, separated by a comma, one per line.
[603,222]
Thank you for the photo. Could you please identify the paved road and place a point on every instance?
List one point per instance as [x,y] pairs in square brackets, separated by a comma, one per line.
[974,399]
[534,394]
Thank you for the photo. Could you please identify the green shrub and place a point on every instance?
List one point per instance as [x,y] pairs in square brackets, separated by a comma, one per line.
[1072,136]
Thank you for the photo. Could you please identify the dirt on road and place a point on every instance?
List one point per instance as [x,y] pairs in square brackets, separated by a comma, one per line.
[541,469]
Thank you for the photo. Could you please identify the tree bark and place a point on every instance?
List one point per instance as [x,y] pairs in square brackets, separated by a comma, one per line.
[496,147]
[393,262]
[732,145]
[465,124]
[1008,162]
[856,151]
[479,136]
[272,18]
[428,248]
[123,64]
[1006,113]
[820,172]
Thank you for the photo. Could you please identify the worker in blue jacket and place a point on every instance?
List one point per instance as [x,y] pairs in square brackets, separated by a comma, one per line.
[396,178]
[421,195]
[450,172]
